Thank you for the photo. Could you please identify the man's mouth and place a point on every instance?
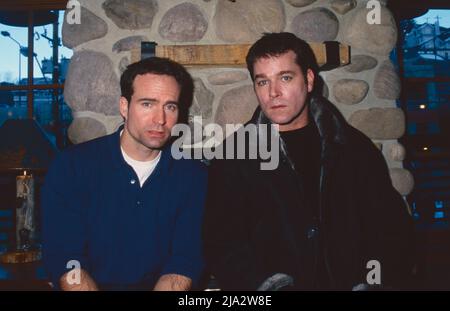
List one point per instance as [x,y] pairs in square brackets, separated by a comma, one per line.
[158,134]
[277,106]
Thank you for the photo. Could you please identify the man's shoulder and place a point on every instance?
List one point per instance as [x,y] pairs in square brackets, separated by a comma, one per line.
[362,146]
[94,145]
[86,151]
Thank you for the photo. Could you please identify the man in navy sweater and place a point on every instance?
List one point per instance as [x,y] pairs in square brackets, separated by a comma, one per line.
[118,212]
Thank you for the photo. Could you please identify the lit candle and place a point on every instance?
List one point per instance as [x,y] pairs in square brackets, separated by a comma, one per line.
[25,227]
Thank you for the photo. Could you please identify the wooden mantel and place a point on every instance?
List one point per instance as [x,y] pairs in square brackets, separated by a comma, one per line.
[233,55]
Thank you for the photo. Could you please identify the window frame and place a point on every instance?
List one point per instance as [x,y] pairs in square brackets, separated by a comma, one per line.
[29,7]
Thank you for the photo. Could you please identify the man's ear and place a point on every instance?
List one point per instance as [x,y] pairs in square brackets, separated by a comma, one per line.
[123,107]
[310,78]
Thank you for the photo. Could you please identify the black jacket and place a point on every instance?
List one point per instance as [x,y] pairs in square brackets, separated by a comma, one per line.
[249,234]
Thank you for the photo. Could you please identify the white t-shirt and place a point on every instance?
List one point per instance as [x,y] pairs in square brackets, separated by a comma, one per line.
[143,169]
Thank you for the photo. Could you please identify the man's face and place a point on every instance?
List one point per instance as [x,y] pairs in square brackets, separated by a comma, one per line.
[153,109]
[282,90]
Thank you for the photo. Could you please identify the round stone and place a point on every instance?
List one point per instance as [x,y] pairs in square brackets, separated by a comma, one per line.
[300,3]
[201,107]
[343,6]
[92,84]
[236,106]
[316,25]
[203,101]
[379,123]
[402,180]
[128,44]
[397,152]
[131,14]
[361,63]
[84,129]
[377,39]
[123,64]
[246,21]
[112,123]
[350,91]
[387,83]
[227,77]
[183,23]
[91,27]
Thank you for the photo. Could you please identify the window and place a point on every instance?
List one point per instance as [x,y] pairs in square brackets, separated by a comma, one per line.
[424,67]
[31,83]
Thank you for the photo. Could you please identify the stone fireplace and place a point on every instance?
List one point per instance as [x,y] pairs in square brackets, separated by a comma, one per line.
[364,91]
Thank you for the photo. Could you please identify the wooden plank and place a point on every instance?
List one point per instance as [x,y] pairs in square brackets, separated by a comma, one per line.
[205,55]
[227,55]
[344,54]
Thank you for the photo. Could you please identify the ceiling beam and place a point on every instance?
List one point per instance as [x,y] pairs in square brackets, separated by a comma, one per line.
[15,5]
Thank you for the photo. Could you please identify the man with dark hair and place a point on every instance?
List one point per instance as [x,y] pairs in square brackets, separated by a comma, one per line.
[118,208]
[326,215]
[160,66]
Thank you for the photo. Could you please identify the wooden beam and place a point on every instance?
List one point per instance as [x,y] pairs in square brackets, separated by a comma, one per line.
[228,55]
[205,55]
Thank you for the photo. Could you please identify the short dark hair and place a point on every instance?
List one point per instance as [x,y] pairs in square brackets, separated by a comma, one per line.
[161,66]
[275,44]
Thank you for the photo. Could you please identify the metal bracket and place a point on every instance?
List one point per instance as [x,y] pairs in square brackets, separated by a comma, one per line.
[332,56]
[148,49]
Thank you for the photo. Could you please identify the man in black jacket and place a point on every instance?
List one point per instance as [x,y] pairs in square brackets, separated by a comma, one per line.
[327,217]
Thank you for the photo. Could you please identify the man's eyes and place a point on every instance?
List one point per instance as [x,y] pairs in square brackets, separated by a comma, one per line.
[286,78]
[261,82]
[147,104]
[171,107]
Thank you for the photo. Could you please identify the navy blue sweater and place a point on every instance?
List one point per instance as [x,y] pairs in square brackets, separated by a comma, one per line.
[94,211]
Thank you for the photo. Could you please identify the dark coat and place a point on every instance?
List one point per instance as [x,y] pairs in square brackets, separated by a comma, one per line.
[250,236]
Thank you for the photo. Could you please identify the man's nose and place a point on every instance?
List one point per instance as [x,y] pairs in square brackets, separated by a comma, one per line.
[274,90]
[160,116]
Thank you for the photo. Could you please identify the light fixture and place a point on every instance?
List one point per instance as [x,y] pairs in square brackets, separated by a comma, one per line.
[24,51]
[425,148]
[422,106]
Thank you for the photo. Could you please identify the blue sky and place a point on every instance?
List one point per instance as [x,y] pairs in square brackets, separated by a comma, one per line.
[9,61]
[444,16]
